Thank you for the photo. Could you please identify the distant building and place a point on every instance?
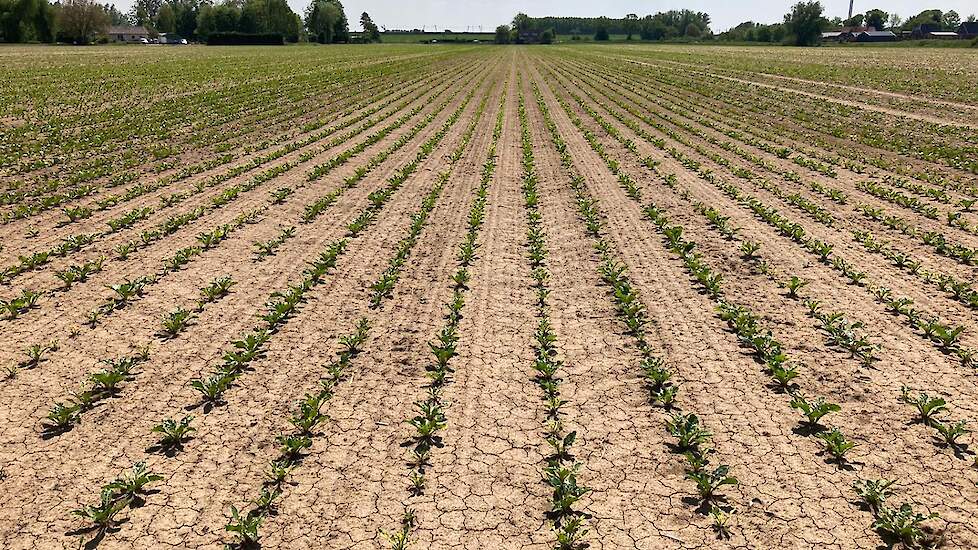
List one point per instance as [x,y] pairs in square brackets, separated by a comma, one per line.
[968,29]
[921,31]
[943,35]
[875,36]
[837,36]
[127,34]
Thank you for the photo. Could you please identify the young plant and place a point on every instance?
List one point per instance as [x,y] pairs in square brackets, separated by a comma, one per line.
[721,521]
[687,430]
[291,446]
[927,407]
[873,492]
[174,322]
[794,285]
[132,485]
[709,482]
[570,533]
[813,410]
[212,387]
[949,432]
[218,288]
[566,491]
[172,433]
[62,417]
[245,527]
[278,470]
[836,444]
[102,515]
[902,524]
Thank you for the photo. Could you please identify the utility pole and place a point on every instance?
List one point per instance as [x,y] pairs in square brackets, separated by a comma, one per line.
[850,8]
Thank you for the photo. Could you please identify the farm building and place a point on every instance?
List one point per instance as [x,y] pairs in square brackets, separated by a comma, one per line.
[943,35]
[127,34]
[837,36]
[874,36]
[922,31]
[968,29]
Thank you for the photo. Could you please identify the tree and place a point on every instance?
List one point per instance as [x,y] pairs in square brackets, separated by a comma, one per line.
[144,12]
[631,25]
[270,16]
[951,20]
[116,17]
[217,18]
[971,18]
[876,19]
[369,28]
[322,18]
[805,23]
[926,17]
[166,19]
[895,21]
[80,20]
[27,21]
[502,34]
[601,34]
[692,31]
[854,21]
[522,23]
[547,37]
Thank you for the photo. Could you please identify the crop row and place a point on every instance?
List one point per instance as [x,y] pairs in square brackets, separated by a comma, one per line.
[561,469]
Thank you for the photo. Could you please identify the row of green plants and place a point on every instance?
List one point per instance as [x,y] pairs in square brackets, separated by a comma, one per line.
[693,441]
[561,470]
[282,305]
[107,382]
[383,287]
[781,152]
[246,525]
[827,123]
[796,199]
[429,414]
[129,290]
[936,240]
[930,410]
[961,290]
[306,418]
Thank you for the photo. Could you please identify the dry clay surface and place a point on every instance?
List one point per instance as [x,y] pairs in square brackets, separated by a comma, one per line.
[590,211]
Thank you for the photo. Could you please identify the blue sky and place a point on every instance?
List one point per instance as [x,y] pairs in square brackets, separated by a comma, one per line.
[459,14]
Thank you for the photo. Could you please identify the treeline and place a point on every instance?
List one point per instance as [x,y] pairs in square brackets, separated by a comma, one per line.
[84,21]
[806,21]
[661,26]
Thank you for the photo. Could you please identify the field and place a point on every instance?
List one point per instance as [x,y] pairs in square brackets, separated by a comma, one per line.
[402,296]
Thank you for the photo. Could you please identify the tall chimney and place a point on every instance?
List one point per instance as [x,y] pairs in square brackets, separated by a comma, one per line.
[850,8]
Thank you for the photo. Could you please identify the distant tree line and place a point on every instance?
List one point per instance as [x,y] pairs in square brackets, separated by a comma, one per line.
[661,26]
[83,21]
[805,23]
